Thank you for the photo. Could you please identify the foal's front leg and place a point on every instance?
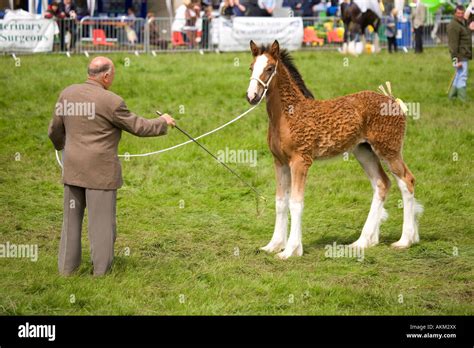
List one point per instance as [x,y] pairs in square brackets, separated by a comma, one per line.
[283,178]
[294,247]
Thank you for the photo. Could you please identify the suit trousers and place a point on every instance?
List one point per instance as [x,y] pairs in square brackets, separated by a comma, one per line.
[101,209]
[419,39]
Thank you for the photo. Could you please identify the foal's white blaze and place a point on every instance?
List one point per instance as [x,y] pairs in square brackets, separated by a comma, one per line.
[260,64]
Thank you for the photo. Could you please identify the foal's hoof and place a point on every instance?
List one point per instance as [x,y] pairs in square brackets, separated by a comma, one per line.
[273,247]
[401,244]
[288,252]
[362,243]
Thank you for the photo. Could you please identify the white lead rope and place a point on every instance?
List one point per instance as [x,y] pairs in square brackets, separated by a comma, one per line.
[186,142]
[265,89]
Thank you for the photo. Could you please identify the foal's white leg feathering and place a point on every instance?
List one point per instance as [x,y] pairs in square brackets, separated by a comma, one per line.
[294,247]
[371,231]
[278,241]
[380,184]
[411,208]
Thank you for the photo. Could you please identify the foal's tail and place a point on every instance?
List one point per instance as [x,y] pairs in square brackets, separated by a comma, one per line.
[388,93]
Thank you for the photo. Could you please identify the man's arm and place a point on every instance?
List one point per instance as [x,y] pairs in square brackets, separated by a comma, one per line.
[453,40]
[56,131]
[136,125]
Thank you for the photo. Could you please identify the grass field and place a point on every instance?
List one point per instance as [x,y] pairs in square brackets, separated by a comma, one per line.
[203,258]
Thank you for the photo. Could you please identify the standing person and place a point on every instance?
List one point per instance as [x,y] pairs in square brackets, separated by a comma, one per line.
[391,30]
[192,14]
[295,5]
[53,11]
[460,47]
[227,9]
[67,26]
[240,8]
[89,136]
[155,32]
[418,15]
[230,8]
[309,8]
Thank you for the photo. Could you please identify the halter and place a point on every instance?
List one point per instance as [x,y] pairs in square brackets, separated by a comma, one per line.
[265,85]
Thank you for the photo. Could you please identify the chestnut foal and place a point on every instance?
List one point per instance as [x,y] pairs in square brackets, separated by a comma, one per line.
[302,129]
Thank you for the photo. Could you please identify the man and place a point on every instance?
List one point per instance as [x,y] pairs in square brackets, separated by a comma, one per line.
[67,11]
[460,47]
[418,15]
[87,125]
[391,30]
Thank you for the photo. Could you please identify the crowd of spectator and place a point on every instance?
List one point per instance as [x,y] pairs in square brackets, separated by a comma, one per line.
[192,20]
[257,8]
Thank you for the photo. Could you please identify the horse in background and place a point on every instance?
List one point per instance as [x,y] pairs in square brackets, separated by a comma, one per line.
[302,129]
[356,21]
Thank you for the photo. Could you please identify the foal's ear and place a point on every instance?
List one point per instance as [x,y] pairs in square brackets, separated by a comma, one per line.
[275,49]
[254,48]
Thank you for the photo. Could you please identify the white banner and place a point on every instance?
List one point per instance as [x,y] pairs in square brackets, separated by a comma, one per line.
[235,34]
[27,35]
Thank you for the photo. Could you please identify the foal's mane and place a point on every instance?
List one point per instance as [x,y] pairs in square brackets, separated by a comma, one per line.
[287,60]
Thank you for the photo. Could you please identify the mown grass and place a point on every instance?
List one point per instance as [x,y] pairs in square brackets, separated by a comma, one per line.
[183,260]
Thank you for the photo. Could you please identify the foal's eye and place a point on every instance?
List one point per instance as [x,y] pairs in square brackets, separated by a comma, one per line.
[270,68]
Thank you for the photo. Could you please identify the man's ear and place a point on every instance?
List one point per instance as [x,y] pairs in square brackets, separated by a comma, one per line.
[275,49]
[254,48]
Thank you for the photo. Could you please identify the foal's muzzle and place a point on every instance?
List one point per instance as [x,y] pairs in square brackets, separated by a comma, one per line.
[256,97]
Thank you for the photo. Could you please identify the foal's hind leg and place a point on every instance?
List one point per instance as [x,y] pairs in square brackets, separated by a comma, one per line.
[406,183]
[381,184]
[283,178]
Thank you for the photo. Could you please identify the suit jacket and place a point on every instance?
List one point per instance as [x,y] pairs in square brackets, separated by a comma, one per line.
[418,15]
[87,123]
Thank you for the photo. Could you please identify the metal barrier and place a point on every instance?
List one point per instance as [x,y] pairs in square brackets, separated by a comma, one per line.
[98,35]
[327,32]
[112,35]
[167,34]
[66,39]
[436,32]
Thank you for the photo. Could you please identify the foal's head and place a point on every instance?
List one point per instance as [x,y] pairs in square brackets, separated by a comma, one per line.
[263,67]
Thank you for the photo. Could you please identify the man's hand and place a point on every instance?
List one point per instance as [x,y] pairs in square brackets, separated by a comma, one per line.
[169,120]
[459,65]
